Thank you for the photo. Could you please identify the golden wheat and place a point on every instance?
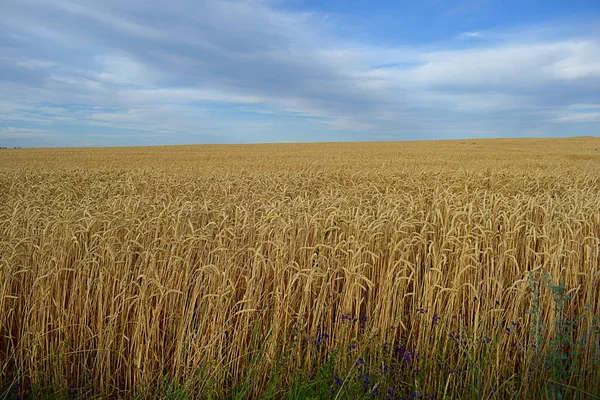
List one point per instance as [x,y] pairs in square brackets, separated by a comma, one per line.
[122,267]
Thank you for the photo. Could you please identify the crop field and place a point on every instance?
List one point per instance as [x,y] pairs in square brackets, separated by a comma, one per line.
[421,270]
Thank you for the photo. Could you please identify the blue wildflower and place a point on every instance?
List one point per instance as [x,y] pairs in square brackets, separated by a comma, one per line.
[359,363]
[384,369]
[337,380]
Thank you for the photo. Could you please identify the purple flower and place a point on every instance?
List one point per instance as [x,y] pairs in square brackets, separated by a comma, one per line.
[321,336]
[359,363]
[409,356]
[405,355]
[399,349]
[337,380]
[417,395]
[366,378]
[456,337]
[390,393]
[511,328]
[386,348]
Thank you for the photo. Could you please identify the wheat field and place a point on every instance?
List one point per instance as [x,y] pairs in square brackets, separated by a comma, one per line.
[449,269]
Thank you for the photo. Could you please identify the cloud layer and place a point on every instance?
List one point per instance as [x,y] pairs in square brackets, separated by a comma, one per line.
[138,72]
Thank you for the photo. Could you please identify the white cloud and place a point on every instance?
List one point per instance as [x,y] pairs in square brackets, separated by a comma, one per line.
[584,106]
[471,35]
[123,70]
[579,118]
[36,64]
[509,65]
[11,132]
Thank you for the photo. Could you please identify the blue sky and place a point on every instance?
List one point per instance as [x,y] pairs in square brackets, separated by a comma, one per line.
[140,72]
